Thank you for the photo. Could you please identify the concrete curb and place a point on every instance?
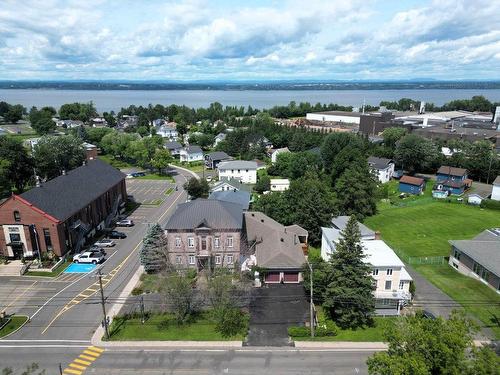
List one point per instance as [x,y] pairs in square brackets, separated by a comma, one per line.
[115,309]
[172,344]
[18,328]
[345,345]
[185,170]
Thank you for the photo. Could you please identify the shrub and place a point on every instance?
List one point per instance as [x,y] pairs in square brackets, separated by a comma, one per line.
[137,291]
[230,321]
[491,204]
[299,331]
[326,328]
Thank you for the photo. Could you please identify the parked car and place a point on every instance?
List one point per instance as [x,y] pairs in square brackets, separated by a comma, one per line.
[105,243]
[97,249]
[138,174]
[125,223]
[116,234]
[88,257]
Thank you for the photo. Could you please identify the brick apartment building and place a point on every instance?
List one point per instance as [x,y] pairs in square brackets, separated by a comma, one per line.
[60,214]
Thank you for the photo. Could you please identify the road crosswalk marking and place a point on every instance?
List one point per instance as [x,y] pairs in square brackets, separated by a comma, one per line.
[84,360]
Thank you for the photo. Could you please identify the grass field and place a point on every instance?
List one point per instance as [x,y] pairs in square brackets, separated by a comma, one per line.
[15,322]
[57,271]
[423,228]
[161,327]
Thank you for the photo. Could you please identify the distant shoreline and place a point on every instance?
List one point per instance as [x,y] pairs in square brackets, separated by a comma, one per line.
[249,86]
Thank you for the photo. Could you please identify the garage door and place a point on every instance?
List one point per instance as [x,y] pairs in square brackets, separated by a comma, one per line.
[291,277]
[273,277]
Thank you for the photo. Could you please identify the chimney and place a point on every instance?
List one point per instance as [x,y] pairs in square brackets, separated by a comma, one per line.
[377,235]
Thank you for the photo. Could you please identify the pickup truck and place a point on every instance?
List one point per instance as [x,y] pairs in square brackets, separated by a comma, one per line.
[88,257]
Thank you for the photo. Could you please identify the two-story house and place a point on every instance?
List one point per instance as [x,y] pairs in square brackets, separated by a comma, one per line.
[453,180]
[390,277]
[174,147]
[243,170]
[212,159]
[204,234]
[382,167]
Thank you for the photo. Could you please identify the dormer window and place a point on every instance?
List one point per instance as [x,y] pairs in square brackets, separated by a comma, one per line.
[17,216]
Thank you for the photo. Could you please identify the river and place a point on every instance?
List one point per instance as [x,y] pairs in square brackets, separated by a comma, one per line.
[115,99]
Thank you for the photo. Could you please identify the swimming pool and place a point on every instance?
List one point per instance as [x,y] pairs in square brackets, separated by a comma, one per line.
[80,268]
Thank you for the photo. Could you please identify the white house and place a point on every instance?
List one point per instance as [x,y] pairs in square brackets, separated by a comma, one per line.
[280,184]
[335,116]
[191,153]
[391,279]
[166,131]
[475,199]
[174,147]
[495,193]
[219,138]
[245,171]
[382,167]
[276,152]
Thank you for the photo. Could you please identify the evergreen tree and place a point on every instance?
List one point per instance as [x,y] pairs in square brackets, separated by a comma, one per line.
[348,298]
[154,253]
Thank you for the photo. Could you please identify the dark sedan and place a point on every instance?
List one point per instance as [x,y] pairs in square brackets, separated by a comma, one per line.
[116,234]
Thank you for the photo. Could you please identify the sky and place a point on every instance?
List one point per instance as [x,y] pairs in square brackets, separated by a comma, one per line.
[249,40]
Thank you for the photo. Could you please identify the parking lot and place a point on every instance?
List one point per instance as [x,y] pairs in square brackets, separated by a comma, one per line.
[149,192]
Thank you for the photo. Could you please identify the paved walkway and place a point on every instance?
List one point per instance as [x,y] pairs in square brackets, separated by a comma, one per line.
[13,268]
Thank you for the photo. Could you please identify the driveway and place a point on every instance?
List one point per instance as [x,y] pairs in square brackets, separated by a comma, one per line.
[272,310]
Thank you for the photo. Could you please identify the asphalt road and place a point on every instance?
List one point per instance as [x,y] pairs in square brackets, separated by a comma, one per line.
[70,310]
[242,361]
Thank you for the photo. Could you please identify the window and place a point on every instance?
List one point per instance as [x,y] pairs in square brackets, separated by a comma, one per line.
[17,216]
[229,242]
[217,242]
[239,170]
[217,259]
[247,170]
[456,254]
[389,271]
[401,285]
[177,242]
[388,285]
[203,243]
[178,259]
[229,259]
[48,240]
[191,242]
[15,237]
[375,272]
[191,259]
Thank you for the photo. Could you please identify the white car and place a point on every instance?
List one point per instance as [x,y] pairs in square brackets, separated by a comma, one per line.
[125,223]
[105,243]
[88,257]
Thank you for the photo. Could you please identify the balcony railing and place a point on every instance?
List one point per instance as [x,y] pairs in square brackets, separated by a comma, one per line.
[393,294]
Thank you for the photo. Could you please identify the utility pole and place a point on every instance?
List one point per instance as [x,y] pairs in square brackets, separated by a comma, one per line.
[60,369]
[311,304]
[142,310]
[103,303]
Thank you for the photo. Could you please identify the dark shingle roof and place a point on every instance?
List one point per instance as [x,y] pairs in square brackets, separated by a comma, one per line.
[213,213]
[193,149]
[379,163]
[172,145]
[218,155]
[240,197]
[452,171]
[63,196]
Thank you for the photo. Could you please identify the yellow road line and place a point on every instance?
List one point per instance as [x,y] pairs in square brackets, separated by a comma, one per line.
[91,354]
[96,349]
[19,296]
[71,371]
[81,361]
[78,367]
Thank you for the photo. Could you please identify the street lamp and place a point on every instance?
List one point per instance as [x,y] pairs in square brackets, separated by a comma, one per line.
[37,245]
[311,304]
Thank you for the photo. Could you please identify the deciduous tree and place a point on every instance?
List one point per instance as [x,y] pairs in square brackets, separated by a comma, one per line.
[197,188]
[55,154]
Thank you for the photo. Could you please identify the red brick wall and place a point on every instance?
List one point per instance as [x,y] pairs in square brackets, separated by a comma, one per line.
[29,215]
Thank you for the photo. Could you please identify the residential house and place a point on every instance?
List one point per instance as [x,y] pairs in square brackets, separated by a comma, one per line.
[205,234]
[411,185]
[174,147]
[382,167]
[245,171]
[70,124]
[213,159]
[240,197]
[451,179]
[227,184]
[277,248]
[495,193]
[166,131]
[191,153]
[391,279]
[477,198]
[219,138]
[127,121]
[275,152]
[280,184]
[479,258]
[98,122]
[60,214]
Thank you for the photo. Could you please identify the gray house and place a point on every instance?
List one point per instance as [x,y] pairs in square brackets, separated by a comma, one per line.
[479,258]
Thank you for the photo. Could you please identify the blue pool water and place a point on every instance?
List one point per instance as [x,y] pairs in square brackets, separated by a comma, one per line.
[80,268]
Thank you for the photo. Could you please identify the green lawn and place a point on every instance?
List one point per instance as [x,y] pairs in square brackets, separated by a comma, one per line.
[423,229]
[169,191]
[369,334]
[196,167]
[156,176]
[57,271]
[153,202]
[161,327]
[149,284]
[15,322]
[476,298]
